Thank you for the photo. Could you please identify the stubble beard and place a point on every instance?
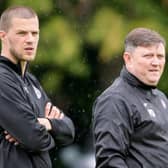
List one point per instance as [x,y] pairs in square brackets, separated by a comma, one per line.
[19,57]
[15,55]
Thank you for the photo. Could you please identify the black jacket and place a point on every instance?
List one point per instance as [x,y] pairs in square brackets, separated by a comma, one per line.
[22,101]
[130,124]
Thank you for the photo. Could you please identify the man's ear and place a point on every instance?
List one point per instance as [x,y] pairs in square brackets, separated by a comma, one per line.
[127,58]
[2,34]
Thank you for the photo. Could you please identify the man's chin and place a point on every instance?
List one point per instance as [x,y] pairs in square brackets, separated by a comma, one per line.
[29,58]
[153,83]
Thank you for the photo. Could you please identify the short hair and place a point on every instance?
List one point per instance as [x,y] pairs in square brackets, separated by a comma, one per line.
[142,37]
[17,12]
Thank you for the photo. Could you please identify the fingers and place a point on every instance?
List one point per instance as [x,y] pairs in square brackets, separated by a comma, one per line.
[10,138]
[45,122]
[56,112]
[48,108]
[61,115]
[53,112]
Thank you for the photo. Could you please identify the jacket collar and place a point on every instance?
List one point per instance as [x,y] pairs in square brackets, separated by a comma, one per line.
[132,80]
[14,67]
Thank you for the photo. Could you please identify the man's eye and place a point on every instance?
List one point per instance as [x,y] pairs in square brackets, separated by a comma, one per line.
[21,33]
[148,56]
[160,56]
[35,33]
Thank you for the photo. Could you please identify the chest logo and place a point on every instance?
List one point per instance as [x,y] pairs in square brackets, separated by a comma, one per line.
[163,103]
[26,90]
[37,92]
[145,104]
[149,110]
[151,113]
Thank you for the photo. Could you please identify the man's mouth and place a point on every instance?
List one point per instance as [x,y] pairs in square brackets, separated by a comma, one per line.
[154,70]
[29,48]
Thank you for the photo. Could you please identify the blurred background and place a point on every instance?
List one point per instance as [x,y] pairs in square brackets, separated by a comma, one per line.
[80,54]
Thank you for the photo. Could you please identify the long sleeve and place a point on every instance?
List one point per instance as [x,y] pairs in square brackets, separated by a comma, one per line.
[63,130]
[18,118]
[111,131]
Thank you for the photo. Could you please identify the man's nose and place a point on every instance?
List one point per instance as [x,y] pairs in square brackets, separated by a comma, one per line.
[29,37]
[155,60]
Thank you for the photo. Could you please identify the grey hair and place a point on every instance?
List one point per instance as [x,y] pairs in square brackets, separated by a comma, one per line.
[142,37]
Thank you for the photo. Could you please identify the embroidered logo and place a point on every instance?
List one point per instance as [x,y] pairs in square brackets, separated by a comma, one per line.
[149,110]
[145,104]
[37,92]
[163,103]
[151,113]
[25,88]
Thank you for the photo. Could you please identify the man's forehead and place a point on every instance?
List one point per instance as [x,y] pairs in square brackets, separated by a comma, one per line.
[22,23]
[21,19]
[153,46]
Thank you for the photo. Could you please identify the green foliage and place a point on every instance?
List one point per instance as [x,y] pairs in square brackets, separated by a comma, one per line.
[61,46]
[80,41]
[37,5]
[106,31]
[51,81]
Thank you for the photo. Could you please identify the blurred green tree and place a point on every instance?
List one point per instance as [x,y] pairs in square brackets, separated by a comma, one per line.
[80,49]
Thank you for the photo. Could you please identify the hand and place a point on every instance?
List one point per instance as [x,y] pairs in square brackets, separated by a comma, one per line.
[10,138]
[52,112]
[45,122]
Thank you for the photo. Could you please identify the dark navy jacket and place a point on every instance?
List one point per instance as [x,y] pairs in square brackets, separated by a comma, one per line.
[22,101]
[130,124]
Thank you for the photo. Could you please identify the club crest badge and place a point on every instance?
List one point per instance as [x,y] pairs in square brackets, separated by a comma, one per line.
[37,92]
[151,113]
[149,110]
[26,89]
[163,103]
